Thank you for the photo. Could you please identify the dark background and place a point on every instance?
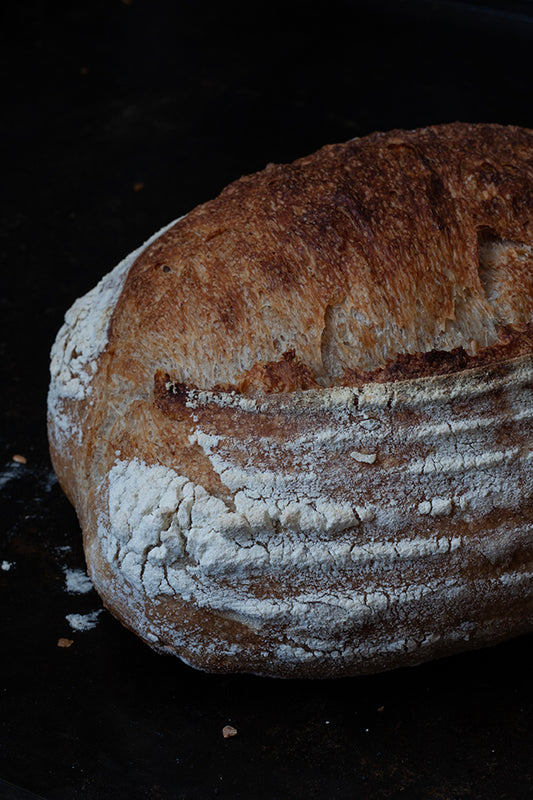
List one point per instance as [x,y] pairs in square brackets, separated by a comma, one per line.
[117,117]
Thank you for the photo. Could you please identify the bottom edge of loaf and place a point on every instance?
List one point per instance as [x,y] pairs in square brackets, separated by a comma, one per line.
[206,640]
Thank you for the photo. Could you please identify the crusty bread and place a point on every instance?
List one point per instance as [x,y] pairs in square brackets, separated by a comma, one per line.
[296,425]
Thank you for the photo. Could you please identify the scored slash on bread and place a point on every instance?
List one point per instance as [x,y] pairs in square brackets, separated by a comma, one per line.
[296,425]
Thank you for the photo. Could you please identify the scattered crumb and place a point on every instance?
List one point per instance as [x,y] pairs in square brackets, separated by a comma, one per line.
[64,642]
[83,622]
[77,581]
[381,708]
[138,187]
[84,70]
[6,565]
[19,459]
[228,731]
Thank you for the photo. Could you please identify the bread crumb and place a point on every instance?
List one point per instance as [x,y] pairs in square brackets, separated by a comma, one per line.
[19,459]
[138,187]
[6,565]
[61,642]
[228,731]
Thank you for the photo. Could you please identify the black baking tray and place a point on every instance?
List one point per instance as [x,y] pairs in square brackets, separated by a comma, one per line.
[116,118]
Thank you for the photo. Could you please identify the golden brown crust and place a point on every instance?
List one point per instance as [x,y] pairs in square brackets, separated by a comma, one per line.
[384,231]
[286,375]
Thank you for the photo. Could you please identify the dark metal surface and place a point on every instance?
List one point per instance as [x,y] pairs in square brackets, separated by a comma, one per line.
[9,791]
[116,118]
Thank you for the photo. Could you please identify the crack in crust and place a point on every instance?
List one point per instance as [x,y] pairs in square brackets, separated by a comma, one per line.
[290,375]
[170,396]
[513,343]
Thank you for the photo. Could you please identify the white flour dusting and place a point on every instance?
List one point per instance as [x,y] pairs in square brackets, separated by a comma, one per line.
[50,481]
[82,338]
[12,470]
[83,622]
[77,581]
[342,549]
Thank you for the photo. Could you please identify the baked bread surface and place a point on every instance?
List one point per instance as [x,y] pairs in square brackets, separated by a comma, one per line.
[296,424]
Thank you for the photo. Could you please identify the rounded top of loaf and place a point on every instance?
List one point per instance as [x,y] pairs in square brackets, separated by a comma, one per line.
[359,261]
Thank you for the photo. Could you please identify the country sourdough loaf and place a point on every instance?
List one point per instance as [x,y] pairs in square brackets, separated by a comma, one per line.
[296,425]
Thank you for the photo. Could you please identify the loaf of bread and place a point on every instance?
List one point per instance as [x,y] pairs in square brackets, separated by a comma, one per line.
[297,424]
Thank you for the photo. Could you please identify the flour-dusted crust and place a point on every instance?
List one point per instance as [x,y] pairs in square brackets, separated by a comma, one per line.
[297,424]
